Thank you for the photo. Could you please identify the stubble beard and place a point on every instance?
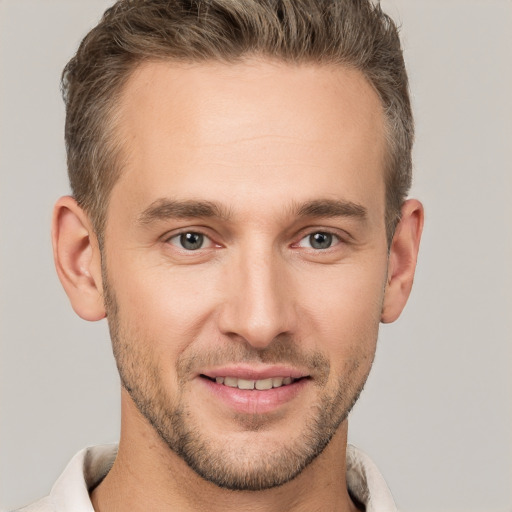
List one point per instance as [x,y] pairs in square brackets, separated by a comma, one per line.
[236,469]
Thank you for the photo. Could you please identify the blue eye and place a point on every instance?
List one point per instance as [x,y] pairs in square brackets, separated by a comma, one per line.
[190,241]
[319,240]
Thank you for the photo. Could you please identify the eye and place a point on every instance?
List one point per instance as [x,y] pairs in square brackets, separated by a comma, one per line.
[319,240]
[190,241]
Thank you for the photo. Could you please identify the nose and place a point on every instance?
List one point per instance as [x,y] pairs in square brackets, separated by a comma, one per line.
[258,300]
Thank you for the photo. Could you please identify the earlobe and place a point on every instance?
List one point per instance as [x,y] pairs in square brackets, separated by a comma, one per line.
[77,259]
[402,260]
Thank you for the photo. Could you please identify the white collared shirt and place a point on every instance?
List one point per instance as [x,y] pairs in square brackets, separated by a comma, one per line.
[89,466]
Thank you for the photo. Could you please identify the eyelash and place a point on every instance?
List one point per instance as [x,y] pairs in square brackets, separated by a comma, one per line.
[335,239]
[332,237]
[178,236]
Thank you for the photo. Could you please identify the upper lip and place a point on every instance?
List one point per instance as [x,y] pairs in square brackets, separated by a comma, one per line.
[249,372]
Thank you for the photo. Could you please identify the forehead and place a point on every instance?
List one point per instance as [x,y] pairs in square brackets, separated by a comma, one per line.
[257,127]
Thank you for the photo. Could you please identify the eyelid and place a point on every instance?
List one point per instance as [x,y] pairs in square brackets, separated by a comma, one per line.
[336,241]
[176,234]
[340,235]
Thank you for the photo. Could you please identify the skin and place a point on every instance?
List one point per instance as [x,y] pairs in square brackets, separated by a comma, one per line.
[274,147]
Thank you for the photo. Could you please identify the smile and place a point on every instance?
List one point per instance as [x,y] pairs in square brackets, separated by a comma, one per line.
[250,391]
[247,384]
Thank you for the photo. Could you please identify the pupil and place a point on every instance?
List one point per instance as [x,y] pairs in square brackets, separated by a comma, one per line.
[320,240]
[191,241]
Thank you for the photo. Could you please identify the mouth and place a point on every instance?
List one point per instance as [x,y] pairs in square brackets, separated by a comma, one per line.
[253,384]
[250,390]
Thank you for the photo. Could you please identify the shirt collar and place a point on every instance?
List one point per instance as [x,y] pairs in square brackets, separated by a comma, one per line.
[366,483]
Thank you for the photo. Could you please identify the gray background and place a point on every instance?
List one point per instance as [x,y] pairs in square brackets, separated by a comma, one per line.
[436,415]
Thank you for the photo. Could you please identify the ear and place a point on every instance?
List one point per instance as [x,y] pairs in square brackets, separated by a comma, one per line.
[78,259]
[403,255]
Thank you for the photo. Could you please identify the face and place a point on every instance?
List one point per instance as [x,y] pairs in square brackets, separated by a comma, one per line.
[245,260]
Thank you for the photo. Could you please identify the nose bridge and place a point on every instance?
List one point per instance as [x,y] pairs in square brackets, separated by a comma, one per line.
[258,305]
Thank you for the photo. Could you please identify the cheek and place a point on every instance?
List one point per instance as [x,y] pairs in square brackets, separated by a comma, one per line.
[343,314]
[167,308]
[164,307]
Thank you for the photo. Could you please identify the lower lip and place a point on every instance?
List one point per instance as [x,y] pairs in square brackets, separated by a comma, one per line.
[253,401]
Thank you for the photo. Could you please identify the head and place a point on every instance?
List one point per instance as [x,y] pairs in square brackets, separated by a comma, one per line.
[239,170]
[350,33]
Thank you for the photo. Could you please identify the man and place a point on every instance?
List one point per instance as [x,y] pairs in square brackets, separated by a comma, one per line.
[239,173]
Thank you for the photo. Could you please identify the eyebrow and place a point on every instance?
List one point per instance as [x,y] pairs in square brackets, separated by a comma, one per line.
[165,208]
[332,208]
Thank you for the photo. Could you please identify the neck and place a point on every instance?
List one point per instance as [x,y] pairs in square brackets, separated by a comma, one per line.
[147,475]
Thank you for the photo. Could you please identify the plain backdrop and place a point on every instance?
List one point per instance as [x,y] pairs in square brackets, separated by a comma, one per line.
[436,414]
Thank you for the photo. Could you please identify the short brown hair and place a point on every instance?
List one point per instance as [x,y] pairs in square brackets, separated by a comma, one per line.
[354,33]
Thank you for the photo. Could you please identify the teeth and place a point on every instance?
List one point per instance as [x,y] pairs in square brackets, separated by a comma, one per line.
[246,384]
[277,382]
[232,382]
[262,384]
